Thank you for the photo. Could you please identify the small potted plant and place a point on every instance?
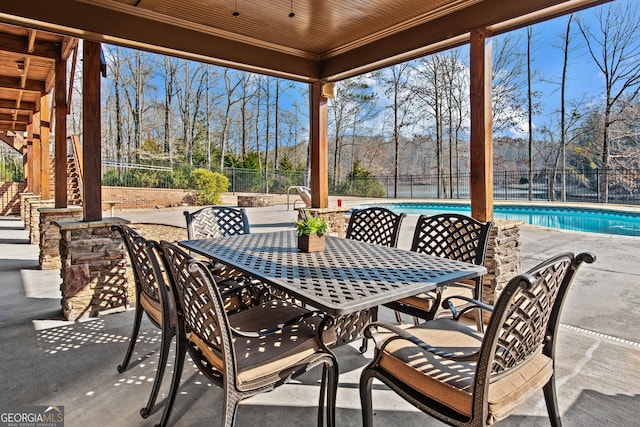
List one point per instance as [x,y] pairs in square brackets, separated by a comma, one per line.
[311,229]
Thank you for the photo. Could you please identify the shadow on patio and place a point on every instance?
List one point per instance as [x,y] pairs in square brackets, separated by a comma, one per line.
[49,361]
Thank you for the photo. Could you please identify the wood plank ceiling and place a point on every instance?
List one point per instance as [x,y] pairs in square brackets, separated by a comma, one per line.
[325,40]
[27,73]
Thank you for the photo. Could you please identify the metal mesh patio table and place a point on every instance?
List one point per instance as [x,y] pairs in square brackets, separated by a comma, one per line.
[348,280]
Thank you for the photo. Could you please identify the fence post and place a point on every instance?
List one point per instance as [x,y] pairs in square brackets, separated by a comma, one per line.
[233,180]
[505,186]
[598,183]
[411,186]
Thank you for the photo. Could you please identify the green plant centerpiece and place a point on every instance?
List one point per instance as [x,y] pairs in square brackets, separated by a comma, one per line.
[311,229]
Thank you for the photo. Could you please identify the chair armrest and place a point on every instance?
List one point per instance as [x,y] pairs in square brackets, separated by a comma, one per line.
[238,288]
[405,335]
[280,326]
[471,304]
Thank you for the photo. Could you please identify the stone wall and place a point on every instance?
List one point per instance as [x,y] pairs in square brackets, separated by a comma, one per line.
[93,269]
[503,260]
[256,200]
[50,233]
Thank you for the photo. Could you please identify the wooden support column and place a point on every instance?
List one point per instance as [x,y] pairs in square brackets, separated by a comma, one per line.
[45,157]
[319,127]
[91,125]
[37,153]
[61,134]
[481,123]
[28,170]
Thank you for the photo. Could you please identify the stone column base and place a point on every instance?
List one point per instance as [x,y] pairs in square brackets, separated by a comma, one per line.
[34,222]
[503,259]
[93,268]
[25,207]
[50,233]
[334,217]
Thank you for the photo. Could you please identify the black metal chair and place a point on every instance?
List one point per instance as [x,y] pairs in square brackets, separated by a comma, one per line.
[466,378]
[448,235]
[247,353]
[375,225]
[152,298]
[216,221]
[220,221]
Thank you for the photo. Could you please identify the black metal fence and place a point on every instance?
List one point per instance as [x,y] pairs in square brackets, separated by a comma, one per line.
[547,185]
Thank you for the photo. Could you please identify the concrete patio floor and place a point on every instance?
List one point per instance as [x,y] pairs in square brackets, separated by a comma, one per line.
[48,361]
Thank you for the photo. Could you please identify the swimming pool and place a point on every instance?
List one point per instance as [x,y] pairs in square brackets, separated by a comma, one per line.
[603,221]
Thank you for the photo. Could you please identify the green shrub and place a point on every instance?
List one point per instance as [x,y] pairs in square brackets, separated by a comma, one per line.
[111,178]
[361,182]
[208,185]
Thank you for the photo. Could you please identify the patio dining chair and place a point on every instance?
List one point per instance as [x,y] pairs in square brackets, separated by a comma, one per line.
[465,378]
[152,299]
[375,225]
[453,236]
[249,352]
[221,221]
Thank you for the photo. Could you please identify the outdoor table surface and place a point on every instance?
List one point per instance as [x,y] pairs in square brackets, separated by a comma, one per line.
[348,276]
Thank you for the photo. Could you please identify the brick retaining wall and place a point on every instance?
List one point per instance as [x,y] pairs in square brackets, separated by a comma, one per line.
[10,197]
[146,198]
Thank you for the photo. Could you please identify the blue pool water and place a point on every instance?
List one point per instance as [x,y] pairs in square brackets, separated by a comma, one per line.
[565,218]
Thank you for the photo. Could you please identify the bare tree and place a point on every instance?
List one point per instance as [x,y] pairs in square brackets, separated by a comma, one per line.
[170,70]
[396,81]
[231,84]
[563,113]
[431,90]
[138,74]
[614,47]
[116,77]
[508,83]
[455,85]
[355,102]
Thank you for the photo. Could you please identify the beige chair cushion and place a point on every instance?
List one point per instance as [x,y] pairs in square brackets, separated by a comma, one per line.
[262,360]
[425,301]
[451,382]
[422,301]
[151,307]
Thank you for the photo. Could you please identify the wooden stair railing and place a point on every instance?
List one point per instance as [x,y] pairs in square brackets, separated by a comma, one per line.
[76,175]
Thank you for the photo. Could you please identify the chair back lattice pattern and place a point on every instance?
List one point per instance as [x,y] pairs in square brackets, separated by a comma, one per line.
[216,221]
[375,225]
[526,313]
[453,236]
[201,309]
[144,275]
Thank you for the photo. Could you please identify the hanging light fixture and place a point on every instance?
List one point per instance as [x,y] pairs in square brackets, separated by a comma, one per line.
[235,11]
[291,14]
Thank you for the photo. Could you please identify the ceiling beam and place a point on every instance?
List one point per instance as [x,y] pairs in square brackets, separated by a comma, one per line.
[25,71]
[23,107]
[18,118]
[29,85]
[67,47]
[18,127]
[29,47]
[31,40]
